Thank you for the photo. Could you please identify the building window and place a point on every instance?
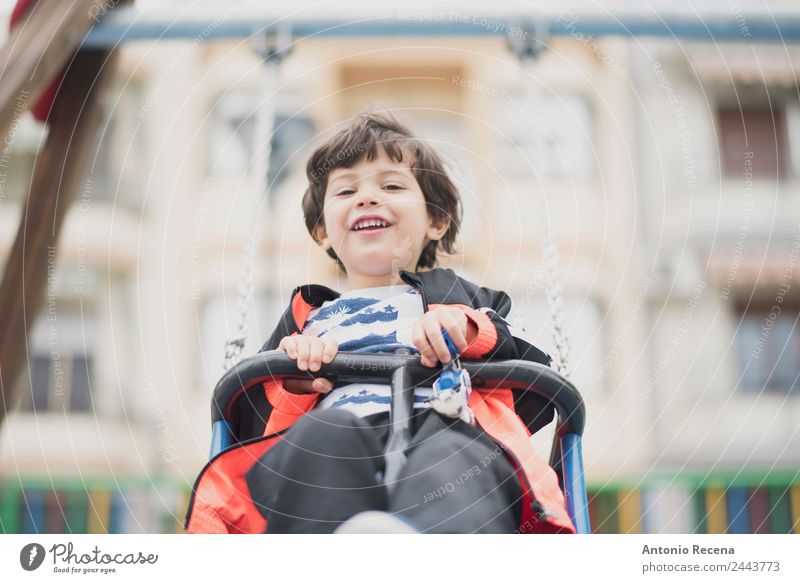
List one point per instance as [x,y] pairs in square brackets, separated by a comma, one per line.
[768,346]
[59,375]
[555,133]
[752,139]
[57,382]
[80,397]
[233,121]
[292,137]
[121,152]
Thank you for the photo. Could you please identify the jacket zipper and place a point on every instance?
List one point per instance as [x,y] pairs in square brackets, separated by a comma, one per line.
[410,280]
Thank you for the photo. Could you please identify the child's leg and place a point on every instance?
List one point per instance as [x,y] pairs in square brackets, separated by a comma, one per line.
[456,480]
[321,473]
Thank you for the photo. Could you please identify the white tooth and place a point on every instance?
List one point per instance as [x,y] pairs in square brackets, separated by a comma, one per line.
[370,223]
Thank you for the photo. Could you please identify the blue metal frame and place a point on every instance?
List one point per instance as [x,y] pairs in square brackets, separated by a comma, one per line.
[574,482]
[126,24]
[222,437]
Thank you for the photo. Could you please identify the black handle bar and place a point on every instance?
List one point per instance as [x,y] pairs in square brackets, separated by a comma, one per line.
[350,367]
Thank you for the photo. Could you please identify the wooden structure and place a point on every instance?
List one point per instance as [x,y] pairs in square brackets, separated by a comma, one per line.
[42,45]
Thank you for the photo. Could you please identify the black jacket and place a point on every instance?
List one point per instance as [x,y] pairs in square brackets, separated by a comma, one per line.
[437,286]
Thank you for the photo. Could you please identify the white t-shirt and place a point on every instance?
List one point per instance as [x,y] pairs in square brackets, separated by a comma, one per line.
[377,319]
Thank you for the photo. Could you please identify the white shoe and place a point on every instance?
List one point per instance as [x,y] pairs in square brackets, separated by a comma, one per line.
[375,522]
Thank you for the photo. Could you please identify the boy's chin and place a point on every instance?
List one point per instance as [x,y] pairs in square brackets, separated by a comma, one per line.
[378,267]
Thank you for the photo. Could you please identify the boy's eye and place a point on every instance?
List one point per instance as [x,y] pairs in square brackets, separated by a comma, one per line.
[397,186]
[345,192]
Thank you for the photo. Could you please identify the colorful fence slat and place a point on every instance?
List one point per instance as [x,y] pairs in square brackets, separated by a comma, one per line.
[781,512]
[700,512]
[32,512]
[116,513]
[759,511]
[54,503]
[99,508]
[609,512]
[10,508]
[795,503]
[716,510]
[736,502]
[77,512]
[5,509]
[594,518]
[630,512]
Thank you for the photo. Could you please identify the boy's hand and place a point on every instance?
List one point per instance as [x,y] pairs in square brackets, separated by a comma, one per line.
[427,334]
[310,353]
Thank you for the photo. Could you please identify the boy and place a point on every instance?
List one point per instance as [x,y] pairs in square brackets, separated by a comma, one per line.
[380,203]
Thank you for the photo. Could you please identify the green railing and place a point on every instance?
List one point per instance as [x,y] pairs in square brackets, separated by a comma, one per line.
[92,505]
[700,502]
[715,502]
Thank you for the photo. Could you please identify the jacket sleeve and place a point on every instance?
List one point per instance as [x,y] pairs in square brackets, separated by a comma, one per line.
[512,342]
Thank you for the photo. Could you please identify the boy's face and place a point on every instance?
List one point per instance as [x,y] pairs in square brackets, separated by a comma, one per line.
[376,218]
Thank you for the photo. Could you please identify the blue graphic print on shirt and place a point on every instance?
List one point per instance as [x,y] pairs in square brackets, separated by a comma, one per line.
[376,320]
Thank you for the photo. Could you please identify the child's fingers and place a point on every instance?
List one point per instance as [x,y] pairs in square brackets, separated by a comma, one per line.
[455,328]
[420,341]
[433,330]
[322,385]
[289,345]
[303,350]
[330,348]
[307,386]
[427,361]
[315,354]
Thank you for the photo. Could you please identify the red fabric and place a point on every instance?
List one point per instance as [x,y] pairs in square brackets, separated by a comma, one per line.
[41,109]
[20,9]
[222,503]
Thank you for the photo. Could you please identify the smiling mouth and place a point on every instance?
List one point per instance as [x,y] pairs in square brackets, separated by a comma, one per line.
[371,229]
[369,225]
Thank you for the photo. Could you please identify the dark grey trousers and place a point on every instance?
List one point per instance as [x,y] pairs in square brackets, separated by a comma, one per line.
[329,466]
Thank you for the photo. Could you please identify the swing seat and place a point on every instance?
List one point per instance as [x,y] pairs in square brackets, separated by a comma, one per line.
[239,407]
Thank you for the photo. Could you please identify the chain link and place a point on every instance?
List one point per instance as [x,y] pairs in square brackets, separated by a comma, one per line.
[259,169]
[553,285]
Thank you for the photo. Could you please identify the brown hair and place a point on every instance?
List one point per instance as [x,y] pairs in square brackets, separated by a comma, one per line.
[367,132]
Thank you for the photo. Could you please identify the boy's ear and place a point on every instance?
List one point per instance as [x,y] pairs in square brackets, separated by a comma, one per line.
[437,228]
[321,237]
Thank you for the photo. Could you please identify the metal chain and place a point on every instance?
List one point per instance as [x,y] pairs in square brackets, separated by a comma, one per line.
[553,285]
[553,289]
[262,150]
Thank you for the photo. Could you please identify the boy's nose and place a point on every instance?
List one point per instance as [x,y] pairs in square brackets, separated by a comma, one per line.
[366,199]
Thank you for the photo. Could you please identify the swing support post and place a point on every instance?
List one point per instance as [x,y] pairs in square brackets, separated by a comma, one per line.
[40,46]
